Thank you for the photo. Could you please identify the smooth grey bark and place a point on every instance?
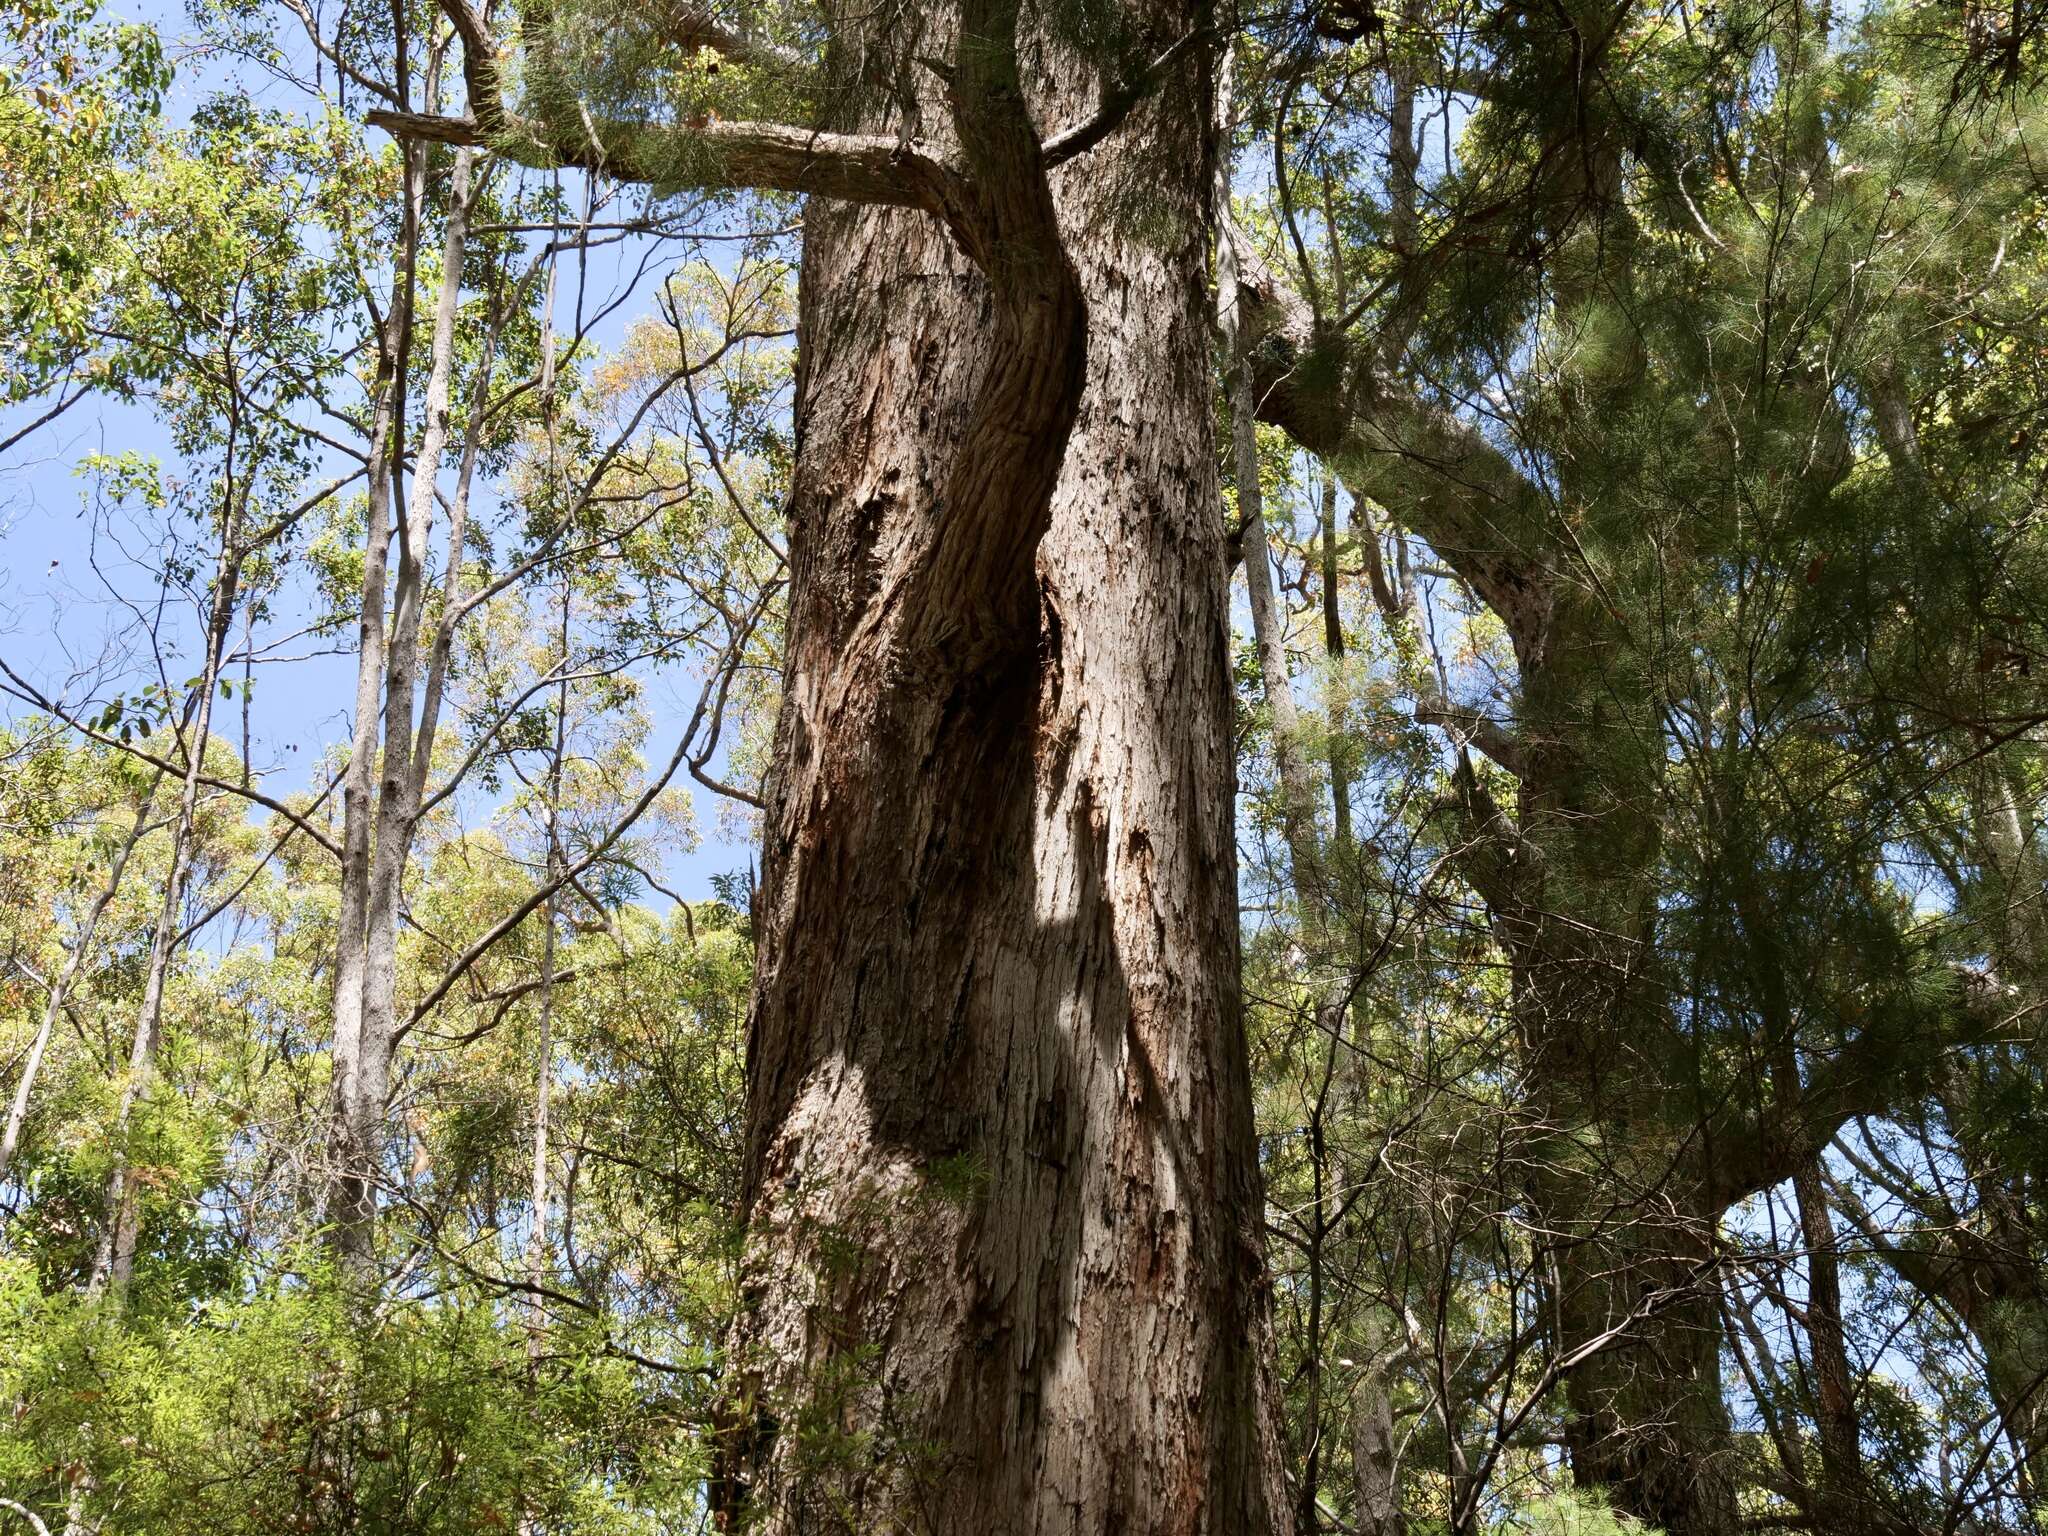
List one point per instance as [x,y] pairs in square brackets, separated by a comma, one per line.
[384,783]
[348,1200]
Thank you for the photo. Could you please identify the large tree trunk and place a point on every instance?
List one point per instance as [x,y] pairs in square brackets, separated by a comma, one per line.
[1619,1180]
[1004,1268]
[1646,1421]
[1630,1222]
[1619,1188]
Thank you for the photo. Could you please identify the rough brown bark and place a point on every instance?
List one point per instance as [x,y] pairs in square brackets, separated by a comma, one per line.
[1646,1422]
[1844,1504]
[1004,1268]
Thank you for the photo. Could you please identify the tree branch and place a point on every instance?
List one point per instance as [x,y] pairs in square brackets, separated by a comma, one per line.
[1117,104]
[28,693]
[691,29]
[1877,1070]
[1472,727]
[1482,515]
[858,168]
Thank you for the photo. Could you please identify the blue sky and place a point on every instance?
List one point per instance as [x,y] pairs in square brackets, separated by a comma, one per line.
[76,575]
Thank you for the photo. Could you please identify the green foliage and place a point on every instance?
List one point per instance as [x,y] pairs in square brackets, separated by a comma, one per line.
[272,1410]
[78,94]
[239,1389]
[1572,1514]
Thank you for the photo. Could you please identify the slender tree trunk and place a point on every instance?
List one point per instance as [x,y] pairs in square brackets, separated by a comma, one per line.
[1269,620]
[544,1073]
[543,1095]
[1317,902]
[1269,634]
[1004,1267]
[1395,598]
[114,1259]
[348,1203]
[372,891]
[1844,1495]
[60,989]
[544,1079]
[1336,700]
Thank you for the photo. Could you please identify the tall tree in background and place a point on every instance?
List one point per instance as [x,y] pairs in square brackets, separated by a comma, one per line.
[1523,394]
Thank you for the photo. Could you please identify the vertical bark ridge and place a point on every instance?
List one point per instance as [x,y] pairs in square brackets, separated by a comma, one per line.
[1004,1264]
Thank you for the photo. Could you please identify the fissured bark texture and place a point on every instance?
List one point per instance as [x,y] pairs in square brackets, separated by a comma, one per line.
[1004,1269]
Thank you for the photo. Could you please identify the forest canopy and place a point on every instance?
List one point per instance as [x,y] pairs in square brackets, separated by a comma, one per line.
[1024,766]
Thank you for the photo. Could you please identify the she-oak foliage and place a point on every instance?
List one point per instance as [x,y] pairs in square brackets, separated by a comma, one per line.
[1589,1078]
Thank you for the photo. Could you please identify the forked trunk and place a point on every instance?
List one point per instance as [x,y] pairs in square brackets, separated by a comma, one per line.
[382,789]
[1004,1270]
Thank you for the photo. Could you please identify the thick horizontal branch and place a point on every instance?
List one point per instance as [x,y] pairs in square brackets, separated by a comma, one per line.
[1434,470]
[858,168]
[710,155]
[994,199]
[1472,727]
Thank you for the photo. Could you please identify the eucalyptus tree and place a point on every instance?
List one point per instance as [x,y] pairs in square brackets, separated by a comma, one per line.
[208,307]
[600,497]
[1004,1264]
[319,361]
